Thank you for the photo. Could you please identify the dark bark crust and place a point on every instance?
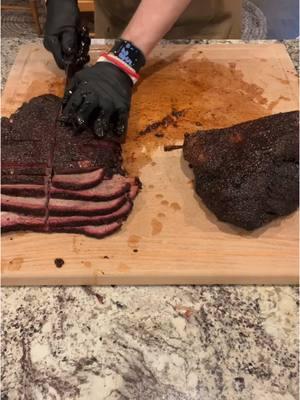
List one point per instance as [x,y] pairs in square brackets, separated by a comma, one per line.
[248,174]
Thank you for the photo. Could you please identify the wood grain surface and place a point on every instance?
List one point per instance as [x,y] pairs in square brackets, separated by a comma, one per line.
[170,237]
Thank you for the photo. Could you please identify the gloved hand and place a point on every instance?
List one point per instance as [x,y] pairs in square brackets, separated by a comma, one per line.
[99,96]
[64,37]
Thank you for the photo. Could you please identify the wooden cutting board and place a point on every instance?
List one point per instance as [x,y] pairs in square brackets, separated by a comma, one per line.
[170,237]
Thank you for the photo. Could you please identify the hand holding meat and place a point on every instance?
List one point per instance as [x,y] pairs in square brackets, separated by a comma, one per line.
[64,37]
[99,97]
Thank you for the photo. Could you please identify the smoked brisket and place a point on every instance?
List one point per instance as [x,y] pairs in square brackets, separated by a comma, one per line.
[247,175]
[106,190]
[80,207]
[27,190]
[11,221]
[79,181]
[54,180]
[17,222]
[79,220]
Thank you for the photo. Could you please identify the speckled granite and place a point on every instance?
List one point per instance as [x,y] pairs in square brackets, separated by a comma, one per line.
[149,343]
[9,50]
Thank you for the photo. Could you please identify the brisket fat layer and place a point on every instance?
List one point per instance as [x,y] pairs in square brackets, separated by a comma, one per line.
[24,205]
[56,181]
[247,175]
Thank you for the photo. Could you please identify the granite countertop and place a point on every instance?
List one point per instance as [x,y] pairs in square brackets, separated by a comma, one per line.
[149,343]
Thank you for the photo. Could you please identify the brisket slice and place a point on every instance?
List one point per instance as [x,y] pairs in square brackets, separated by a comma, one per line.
[134,190]
[75,220]
[106,190]
[24,190]
[16,222]
[11,221]
[77,207]
[37,206]
[97,232]
[78,181]
[248,174]
[24,205]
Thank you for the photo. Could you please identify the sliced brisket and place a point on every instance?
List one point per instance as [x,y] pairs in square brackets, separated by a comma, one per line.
[97,232]
[134,190]
[106,190]
[88,193]
[25,190]
[30,135]
[75,220]
[80,181]
[248,174]
[23,205]
[77,207]
[11,222]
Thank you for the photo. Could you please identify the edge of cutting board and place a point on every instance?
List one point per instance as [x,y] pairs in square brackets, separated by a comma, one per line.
[108,277]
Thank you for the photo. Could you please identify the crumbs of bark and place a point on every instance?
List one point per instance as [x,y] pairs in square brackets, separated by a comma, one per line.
[170,119]
[59,262]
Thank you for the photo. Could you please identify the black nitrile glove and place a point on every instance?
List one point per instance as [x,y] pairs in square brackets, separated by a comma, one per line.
[64,37]
[99,97]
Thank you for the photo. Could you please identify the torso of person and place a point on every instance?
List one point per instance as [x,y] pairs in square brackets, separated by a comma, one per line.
[203,19]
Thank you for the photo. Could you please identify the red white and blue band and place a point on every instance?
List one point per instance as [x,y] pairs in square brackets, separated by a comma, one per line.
[111,58]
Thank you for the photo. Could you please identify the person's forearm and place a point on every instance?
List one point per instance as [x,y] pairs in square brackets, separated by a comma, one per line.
[151,21]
